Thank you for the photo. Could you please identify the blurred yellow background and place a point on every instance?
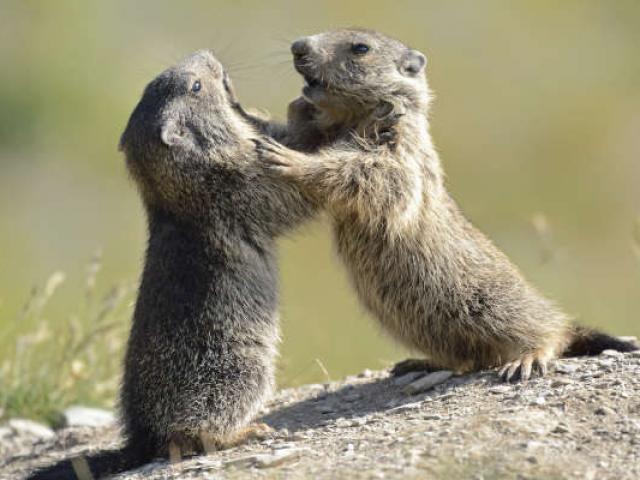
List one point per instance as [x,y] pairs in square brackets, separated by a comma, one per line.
[537,118]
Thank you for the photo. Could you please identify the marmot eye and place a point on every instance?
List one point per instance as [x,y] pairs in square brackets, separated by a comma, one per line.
[196,87]
[359,48]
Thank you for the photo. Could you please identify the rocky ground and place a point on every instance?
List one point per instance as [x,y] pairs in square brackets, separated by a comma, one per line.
[582,421]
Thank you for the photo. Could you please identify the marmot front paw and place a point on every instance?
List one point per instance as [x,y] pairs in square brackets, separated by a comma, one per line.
[277,157]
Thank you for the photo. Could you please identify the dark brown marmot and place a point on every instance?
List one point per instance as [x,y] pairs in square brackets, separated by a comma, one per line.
[200,356]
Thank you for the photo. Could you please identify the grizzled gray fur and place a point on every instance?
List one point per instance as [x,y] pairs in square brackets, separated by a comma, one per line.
[200,357]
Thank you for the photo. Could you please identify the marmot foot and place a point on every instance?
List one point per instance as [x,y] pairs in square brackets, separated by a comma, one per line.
[522,367]
[255,431]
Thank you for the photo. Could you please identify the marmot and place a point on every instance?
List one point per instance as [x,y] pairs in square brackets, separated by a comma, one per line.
[434,281]
[200,356]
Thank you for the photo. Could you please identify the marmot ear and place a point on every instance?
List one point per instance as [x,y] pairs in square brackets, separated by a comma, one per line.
[171,133]
[413,63]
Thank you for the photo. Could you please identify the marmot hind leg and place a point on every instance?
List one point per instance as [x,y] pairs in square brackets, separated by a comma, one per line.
[181,446]
[255,431]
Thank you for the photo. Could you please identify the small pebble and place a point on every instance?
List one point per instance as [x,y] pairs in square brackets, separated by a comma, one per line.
[428,382]
[628,338]
[432,416]
[358,422]
[407,378]
[200,463]
[565,367]
[407,407]
[349,450]
[29,427]
[278,458]
[561,428]
[78,416]
[561,382]
[604,411]
[241,462]
[284,446]
[539,401]
[501,389]
[342,423]
[611,353]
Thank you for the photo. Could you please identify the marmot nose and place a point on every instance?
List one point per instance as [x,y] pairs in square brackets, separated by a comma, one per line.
[300,47]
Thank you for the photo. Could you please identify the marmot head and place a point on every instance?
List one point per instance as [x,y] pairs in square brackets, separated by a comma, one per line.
[182,133]
[356,70]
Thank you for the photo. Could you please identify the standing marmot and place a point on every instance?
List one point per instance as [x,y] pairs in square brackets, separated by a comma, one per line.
[200,357]
[434,281]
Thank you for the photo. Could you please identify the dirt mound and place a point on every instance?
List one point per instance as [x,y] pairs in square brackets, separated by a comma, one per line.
[581,421]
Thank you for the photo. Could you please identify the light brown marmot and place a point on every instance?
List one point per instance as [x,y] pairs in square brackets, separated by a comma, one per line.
[433,280]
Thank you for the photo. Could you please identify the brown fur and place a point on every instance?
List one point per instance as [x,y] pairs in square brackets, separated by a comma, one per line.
[434,281]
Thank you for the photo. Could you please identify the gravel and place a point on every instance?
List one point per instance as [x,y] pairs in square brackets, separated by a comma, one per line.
[78,416]
[582,421]
[26,428]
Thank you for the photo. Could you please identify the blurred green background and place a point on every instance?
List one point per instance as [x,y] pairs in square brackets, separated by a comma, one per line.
[537,118]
